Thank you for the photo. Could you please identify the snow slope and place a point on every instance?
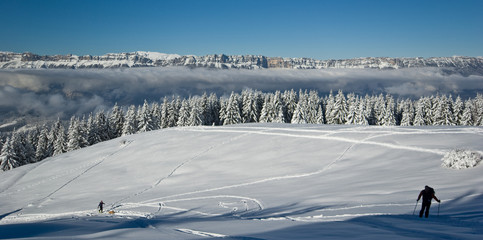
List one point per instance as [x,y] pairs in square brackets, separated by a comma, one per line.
[252,181]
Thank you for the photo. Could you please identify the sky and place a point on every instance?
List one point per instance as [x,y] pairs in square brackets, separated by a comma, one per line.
[317,29]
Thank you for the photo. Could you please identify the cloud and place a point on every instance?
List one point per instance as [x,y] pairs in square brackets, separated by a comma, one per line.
[62,92]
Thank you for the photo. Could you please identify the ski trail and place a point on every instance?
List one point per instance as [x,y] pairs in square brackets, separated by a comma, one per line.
[201,234]
[334,138]
[279,178]
[256,201]
[84,172]
[210,148]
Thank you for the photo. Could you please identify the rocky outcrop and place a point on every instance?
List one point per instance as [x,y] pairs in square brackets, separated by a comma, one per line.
[8,60]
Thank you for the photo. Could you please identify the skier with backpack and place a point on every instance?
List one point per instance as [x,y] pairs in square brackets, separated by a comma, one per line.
[101,206]
[428,194]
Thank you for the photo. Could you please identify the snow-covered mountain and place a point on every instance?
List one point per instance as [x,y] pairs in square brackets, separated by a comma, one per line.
[8,60]
[251,181]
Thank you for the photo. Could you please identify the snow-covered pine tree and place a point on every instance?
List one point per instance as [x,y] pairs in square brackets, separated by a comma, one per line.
[232,113]
[93,135]
[279,108]
[329,108]
[173,111]
[423,106]
[57,139]
[478,106]
[203,105]
[33,137]
[339,109]
[467,117]
[102,125]
[75,139]
[290,99]
[214,109]
[442,111]
[458,108]
[351,109]
[8,158]
[130,123]
[116,121]
[184,114]
[145,118]
[156,113]
[43,148]
[266,114]
[165,113]
[313,106]
[301,111]
[250,110]
[320,115]
[27,148]
[408,113]
[196,113]
[389,118]
[360,117]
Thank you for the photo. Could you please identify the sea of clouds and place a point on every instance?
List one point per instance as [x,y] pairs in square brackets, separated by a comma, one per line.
[52,93]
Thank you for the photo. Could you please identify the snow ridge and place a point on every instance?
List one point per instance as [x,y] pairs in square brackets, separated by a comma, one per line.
[9,60]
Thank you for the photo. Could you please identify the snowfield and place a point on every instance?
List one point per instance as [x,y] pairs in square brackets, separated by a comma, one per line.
[251,181]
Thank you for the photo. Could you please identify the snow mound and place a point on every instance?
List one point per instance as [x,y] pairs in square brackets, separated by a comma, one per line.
[461,159]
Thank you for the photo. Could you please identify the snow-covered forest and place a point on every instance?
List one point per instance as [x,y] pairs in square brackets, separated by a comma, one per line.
[250,106]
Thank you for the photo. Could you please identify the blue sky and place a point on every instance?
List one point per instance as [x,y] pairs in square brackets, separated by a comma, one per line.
[318,29]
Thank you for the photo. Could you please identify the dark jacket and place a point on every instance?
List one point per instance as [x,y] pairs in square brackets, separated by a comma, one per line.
[428,194]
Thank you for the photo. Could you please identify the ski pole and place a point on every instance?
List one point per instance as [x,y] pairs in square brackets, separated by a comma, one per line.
[415,207]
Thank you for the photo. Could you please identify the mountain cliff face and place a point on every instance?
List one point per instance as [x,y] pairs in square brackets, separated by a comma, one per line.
[9,60]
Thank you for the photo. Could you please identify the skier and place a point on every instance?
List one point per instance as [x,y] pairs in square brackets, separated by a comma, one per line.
[100,206]
[428,195]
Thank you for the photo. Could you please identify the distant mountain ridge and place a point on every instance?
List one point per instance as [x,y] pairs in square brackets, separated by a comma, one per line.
[10,60]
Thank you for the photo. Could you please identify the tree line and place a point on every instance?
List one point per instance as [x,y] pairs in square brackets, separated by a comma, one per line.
[249,106]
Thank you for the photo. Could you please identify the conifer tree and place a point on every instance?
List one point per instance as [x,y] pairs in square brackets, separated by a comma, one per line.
[74,137]
[389,118]
[339,109]
[290,99]
[214,110]
[145,118]
[408,114]
[458,108]
[232,113]
[42,150]
[8,158]
[57,140]
[184,114]
[360,117]
[93,136]
[300,115]
[165,113]
[116,121]
[467,117]
[130,123]
[329,108]
[196,113]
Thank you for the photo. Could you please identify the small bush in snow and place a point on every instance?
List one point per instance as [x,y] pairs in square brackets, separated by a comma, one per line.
[460,159]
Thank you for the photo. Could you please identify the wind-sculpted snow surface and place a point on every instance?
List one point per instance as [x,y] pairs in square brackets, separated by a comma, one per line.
[250,181]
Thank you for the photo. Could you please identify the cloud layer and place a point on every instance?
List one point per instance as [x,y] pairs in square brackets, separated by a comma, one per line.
[52,93]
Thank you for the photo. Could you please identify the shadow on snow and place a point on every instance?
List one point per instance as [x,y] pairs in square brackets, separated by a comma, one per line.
[459,218]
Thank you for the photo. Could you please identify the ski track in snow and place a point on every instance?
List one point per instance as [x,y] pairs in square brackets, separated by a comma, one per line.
[333,138]
[201,234]
[265,131]
[161,203]
[167,198]
[47,197]
[301,175]
[210,148]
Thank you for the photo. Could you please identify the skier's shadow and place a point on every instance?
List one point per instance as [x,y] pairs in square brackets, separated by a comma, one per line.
[6,214]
